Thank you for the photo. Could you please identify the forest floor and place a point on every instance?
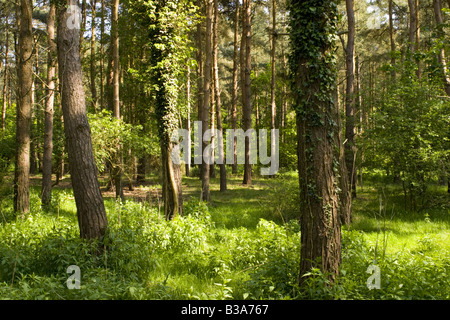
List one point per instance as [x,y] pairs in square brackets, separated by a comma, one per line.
[244,245]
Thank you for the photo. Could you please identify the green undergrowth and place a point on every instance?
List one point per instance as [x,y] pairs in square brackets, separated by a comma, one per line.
[244,245]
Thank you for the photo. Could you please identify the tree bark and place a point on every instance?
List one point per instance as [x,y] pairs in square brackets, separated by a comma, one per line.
[88,198]
[5,78]
[273,105]
[188,115]
[93,58]
[49,103]
[117,165]
[350,147]
[391,38]
[314,80]
[223,170]
[234,97]
[102,53]
[247,114]
[205,195]
[412,25]
[24,107]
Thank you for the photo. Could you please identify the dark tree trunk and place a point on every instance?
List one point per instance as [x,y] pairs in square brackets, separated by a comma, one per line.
[5,78]
[313,83]
[88,198]
[49,103]
[24,108]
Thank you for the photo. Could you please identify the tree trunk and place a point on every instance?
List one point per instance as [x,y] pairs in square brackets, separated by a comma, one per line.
[5,78]
[272,87]
[234,97]
[93,58]
[49,103]
[412,25]
[314,81]
[247,114]
[102,53]
[188,115]
[88,198]
[200,87]
[350,147]
[223,170]
[441,56]
[117,165]
[24,106]
[391,37]
[205,195]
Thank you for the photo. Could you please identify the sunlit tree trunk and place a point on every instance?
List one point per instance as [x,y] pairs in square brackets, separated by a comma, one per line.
[234,98]
[24,107]
[88,198]
[247,107]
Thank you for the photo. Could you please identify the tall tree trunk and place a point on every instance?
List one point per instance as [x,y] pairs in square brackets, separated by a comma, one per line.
[93,58]
[102,58]
[223,170]
[247,114]
[24,106]
[5,78]
[350,147]
[117,166]
[234,97]
[49,103]
[200,74]
[391,37]
[88,198]
[412,25]
[205,195]
[314,82]
[441,56]
[82,25]
[188,115]
[273,108]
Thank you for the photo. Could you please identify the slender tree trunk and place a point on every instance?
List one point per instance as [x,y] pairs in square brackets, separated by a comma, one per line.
[24,106]
[350,148]
[412,25]
[5,78]
[49,103]
[234,97]
[188,115]
[247,89]
[200,74]
[88,198]
[313,69]
[93,58]
[391,37]
[83,26]
[205,196]
[117,166]
[441,55]
[273,105]
[223,170]
[102,58]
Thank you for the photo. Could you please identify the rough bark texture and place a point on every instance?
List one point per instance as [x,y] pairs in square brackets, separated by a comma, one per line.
[313,83]
[93,57]
[412,25]
[88,198]
[5,78]
[24,108]
[49,103]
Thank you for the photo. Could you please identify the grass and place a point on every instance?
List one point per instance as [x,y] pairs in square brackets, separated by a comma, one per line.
[244,245]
